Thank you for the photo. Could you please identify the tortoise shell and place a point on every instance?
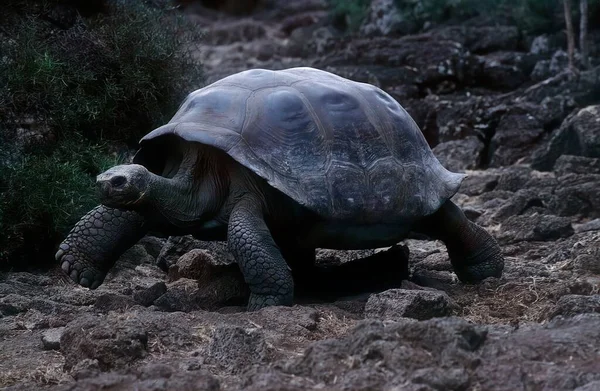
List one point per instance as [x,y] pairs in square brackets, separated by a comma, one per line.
[344,149]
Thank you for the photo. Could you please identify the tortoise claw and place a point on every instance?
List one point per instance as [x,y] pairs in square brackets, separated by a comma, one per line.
[95,243]
[77,267]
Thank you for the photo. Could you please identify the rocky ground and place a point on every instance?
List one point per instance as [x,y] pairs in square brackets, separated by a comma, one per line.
[493,103]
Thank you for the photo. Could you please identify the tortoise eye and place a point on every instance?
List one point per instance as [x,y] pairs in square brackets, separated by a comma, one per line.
[118,181]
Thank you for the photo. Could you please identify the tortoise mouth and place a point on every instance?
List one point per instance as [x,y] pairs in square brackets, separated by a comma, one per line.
[119,198]
[122,186]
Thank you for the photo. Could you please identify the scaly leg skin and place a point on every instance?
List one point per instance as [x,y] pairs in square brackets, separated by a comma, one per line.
[474,253]
[264,269]
[96,242]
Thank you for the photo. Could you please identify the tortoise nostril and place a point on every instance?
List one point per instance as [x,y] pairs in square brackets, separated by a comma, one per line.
[118,181]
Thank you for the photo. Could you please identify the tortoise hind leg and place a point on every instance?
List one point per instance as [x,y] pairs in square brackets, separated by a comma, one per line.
[474,253]
[96,242]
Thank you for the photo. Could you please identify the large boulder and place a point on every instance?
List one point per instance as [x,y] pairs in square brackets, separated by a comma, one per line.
[535,227]
[576,195]
[514,138]
[460,155]
[200,281]
[578,135]
[111,344]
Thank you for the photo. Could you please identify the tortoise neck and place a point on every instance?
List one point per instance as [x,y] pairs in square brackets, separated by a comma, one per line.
[195,194]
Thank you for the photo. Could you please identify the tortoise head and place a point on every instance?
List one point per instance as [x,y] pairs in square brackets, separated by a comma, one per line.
[123,186]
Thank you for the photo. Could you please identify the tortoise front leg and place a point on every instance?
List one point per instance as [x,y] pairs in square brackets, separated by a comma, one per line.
[97,241]
[264,269]
[474,253]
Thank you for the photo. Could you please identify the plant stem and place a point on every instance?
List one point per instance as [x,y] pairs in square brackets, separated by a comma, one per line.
[583,30]
[570,34]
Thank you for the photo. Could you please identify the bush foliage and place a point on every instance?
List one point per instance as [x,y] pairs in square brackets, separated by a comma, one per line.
[350,13]
[533,16]
[88,83]
[43,194]
[111,76]
[530,15]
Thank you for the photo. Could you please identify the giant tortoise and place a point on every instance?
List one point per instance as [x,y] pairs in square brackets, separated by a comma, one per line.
[279,163]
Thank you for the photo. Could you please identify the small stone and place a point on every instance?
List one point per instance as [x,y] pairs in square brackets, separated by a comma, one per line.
[571,305]
[195,264]
[329,257]
[177,246]
[179,296]
[435,279]
[592,225]
[146,295]
[588,262]
[113,302]
[402,303]
[51,338]
[436,261]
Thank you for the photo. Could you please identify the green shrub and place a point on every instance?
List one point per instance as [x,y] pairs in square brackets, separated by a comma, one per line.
[437,10]
[90,84]
[530,15]
[112,76]
[351,13]
[534,16]
[42,195]
[538,16]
